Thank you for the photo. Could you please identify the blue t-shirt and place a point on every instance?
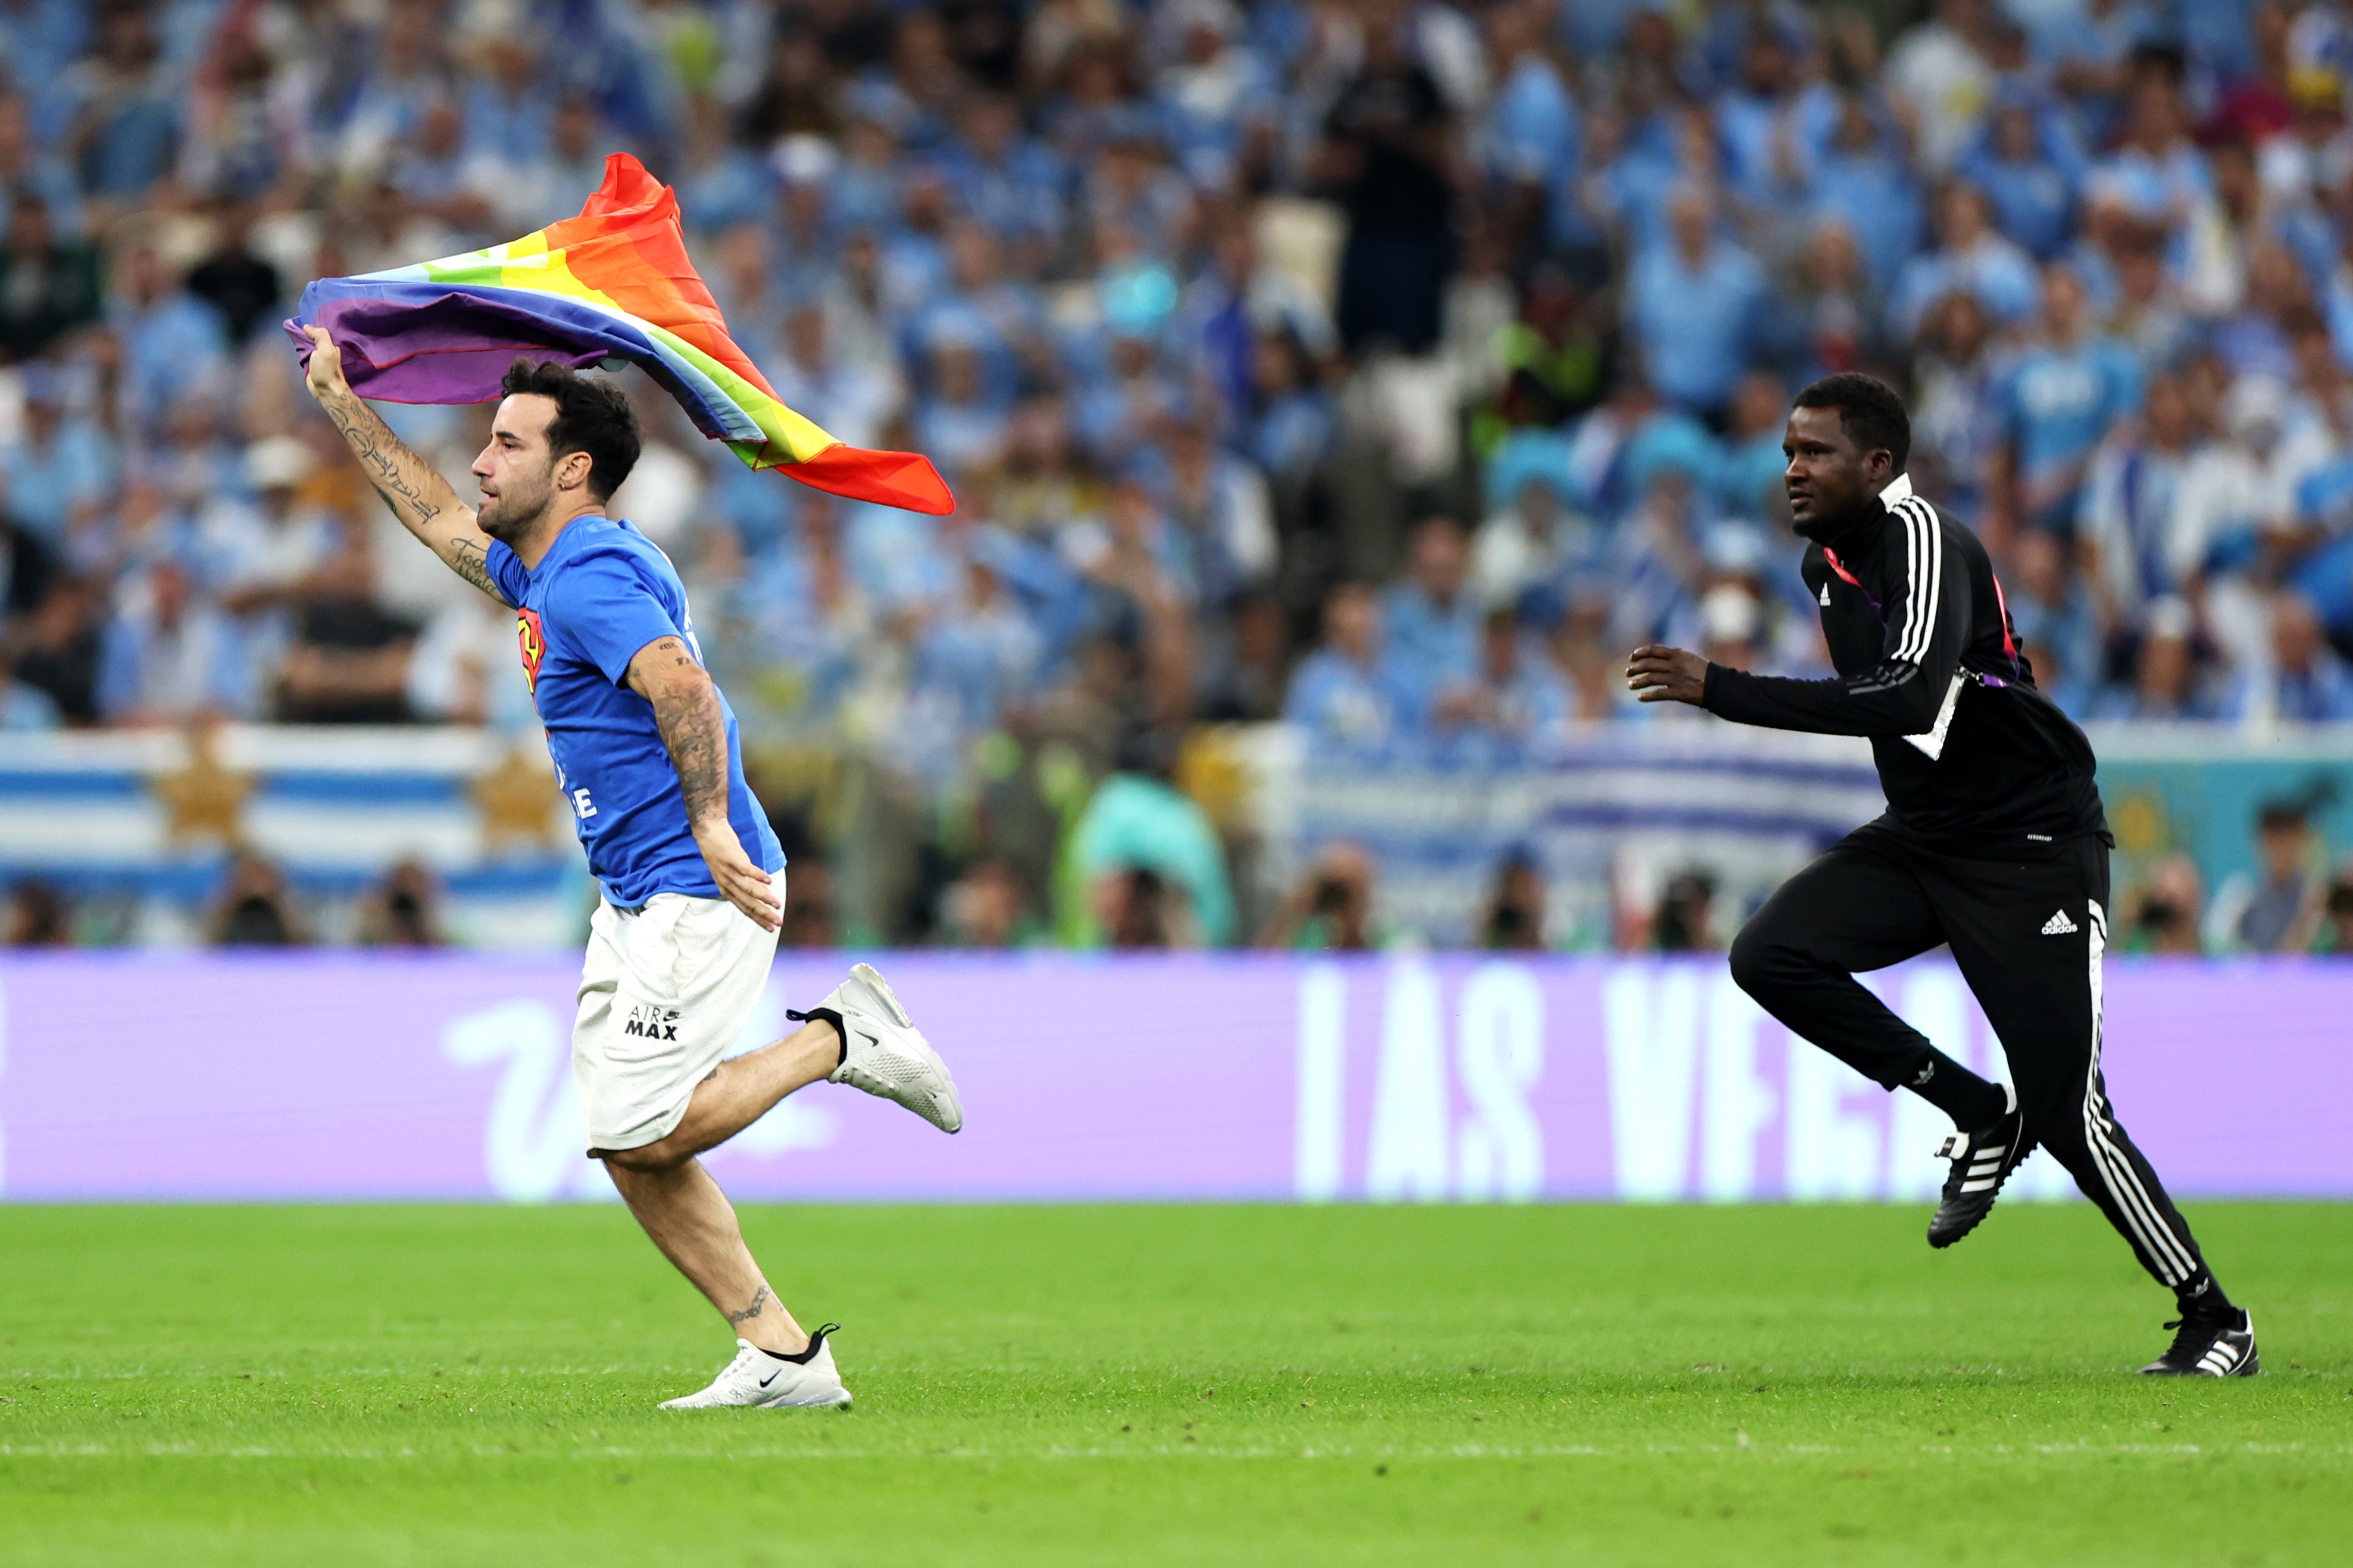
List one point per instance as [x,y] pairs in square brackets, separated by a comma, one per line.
[602,592]
[2058,402]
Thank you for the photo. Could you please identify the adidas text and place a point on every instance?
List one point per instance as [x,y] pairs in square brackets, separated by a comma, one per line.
[2059,925]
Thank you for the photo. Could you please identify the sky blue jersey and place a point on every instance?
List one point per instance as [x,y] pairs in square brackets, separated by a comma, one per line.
[602,592]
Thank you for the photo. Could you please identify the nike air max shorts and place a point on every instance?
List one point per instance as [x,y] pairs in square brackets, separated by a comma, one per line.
[666,989]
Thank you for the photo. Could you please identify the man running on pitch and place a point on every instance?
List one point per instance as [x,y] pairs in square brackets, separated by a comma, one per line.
[646,756]
[1993,841]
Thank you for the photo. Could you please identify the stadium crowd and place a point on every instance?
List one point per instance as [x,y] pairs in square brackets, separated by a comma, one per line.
[1389,366]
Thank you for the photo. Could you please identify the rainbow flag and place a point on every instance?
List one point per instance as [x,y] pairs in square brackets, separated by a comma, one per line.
[613,284]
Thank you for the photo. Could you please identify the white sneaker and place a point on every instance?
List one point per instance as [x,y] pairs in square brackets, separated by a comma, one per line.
[884,1054]
[756,1378]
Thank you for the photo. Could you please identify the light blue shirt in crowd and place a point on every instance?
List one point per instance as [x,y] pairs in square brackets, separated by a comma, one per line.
[2058,402]
[1695,323]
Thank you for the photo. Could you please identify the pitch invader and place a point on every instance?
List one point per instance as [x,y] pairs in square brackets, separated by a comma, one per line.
[692,876]
[1994,841]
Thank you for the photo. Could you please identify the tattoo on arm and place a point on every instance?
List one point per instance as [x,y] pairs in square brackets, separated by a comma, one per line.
[758,1302]
[695,731]
[405,480]
[470,560]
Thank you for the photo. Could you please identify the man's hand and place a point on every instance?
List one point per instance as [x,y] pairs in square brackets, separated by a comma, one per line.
[324,375]
[746,887]
[1657,674]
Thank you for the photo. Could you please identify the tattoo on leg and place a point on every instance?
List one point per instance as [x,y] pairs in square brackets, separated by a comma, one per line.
[748,1313]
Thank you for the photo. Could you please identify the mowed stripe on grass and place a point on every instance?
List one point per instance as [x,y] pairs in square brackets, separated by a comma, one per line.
[1166,1385]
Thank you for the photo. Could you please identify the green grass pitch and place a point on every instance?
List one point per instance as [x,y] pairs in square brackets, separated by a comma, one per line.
[452,1385]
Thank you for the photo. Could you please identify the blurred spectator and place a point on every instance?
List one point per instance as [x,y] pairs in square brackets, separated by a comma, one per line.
[808,905]
[38,916]
[2132,536]
[2059,398]
[1345,693]
[1693,304]
[1957,425]
[1389,158]
[1138,822]
[1244,682]
[1685,920]
[2165,685]
[1512,701]
[1731,626]
[55,650]
[169,655]
[2305,681]
[1132,907]
[2278,903]
[253,907]
[987,909]
[1431,623]
[243,287]
[1971,257]
[1593,662]
[1659,566]
[26,565]
[2329,927]
[1938,72]
[348,660]
[1515,918]
[2028,165]
[48,285]
[127,115]
[174,345]
[403,910]
[2166,914]
[1866,213]
[2057,622]
[1331,908]
[1528,546]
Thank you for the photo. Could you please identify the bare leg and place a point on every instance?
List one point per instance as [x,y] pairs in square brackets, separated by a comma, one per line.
[682,1209]
[694,1225]
[740,1091]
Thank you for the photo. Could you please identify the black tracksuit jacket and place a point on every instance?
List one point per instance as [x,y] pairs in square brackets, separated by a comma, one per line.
[1973,759]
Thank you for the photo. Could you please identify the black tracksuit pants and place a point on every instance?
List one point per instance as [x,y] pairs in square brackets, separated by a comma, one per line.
[1877,897]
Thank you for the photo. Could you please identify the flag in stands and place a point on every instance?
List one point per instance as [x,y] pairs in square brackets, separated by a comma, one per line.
[613,284]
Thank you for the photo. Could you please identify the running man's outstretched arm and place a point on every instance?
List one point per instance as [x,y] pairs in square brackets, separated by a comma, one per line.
[420,498]
[1901,695]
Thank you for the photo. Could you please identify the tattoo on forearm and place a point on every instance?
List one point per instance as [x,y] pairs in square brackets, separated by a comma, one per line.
[696,733]
[388,463]
[409,486]
[748,1313]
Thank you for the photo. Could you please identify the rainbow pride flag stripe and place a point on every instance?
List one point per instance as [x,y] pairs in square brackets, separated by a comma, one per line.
[613,284]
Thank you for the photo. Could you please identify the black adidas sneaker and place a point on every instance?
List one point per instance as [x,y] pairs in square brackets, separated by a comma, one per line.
[1981,1160]
[2210,1347]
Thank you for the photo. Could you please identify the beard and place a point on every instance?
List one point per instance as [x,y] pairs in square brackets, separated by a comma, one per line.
[513,512]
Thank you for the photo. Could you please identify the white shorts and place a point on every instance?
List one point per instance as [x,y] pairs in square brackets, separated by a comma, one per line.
[666,989]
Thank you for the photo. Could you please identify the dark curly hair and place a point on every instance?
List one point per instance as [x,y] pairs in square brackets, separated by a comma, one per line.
[592,416]
[1869,411]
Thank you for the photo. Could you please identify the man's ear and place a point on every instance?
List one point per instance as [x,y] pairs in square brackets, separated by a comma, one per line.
[571,470]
